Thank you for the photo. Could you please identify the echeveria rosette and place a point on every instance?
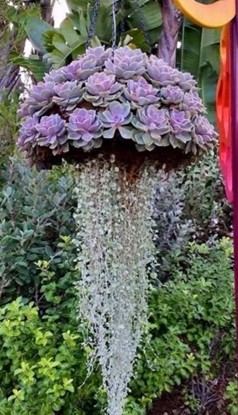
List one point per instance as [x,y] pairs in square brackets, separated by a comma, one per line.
[193,103]
[161,74]
[99,54]
[52,133]
[68,94]
[126,63]
[39,100]
[84,129]
[27,139]
[203,135]
[187,81]
[56,75]
[152,127]
[117,116]
[81,69]
[171,95]
[102,89]
[181,128]
[140,93]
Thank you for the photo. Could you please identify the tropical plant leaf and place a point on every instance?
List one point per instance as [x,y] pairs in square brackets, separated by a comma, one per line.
[33,63]
[199,55]
[208,83]
[35,28]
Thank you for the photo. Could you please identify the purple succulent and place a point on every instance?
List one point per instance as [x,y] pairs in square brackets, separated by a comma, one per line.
[186,81]
[139,97]
[152,125]
[81,69]
[52,133]
[25,110]
[101,88]
[83,127]
[40,98]
[115,117]
[181,128]
[160,73]
[42,93]
[171,95]
[204,132]
[28,134]
[141,93]
[193,103]
[99,54]
[56,75]
[126,63]
[68,94]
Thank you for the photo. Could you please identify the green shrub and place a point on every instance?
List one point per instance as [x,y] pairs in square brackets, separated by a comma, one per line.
[231,395]
[42,350]
[191,320]
[42,366]
[35,209]
[191,314]
[8,127]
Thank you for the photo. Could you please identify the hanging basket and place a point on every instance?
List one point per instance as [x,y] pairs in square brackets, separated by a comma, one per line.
[120,102]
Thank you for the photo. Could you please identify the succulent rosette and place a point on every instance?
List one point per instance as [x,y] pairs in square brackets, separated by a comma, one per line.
[101,89]
[117,117]
[126,63]
[84,128]
[68,94]
[152,126]
[140,93]
[27,139]
[106,95]
[52,133]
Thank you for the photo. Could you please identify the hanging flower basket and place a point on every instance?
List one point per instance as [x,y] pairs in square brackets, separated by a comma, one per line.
[120,102]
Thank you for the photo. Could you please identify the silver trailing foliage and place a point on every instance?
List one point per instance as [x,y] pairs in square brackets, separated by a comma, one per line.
[115,247]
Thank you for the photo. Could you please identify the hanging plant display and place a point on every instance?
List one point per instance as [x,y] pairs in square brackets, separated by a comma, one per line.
[120,102]
[114,112]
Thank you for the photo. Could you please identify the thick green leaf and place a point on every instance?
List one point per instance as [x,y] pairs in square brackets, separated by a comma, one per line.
[208,83]
[68,32]
[35,28]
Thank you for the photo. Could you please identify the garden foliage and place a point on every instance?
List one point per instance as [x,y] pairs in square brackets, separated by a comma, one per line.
[190,332]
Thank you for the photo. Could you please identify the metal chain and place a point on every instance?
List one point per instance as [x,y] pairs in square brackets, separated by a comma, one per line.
[93,21]
[114,25]
[141,22]
[122,23]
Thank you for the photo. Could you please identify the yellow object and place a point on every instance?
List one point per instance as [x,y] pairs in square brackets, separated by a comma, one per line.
[217,14]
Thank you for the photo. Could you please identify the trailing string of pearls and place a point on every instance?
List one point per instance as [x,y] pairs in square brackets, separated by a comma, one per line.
[115,245]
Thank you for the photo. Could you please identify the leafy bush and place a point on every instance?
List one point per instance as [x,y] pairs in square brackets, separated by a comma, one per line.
[35,209]
[42,366]
[205,202]
[189,332]
[191,326]
[8,127]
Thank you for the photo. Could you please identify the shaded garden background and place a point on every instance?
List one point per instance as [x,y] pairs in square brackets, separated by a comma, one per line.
[186,362]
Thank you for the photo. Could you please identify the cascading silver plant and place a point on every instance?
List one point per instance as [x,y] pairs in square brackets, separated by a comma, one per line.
[115,247]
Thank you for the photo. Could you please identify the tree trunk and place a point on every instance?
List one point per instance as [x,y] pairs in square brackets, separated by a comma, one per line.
[167,45]
[47,10]
[9,73]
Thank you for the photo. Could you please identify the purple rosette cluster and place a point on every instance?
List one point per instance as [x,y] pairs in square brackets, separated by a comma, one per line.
[84,128]
[106,94]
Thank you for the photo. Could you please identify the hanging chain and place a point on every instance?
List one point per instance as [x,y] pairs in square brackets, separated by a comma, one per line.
[114,25]
[141,22]
[93,21]
[122,23]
